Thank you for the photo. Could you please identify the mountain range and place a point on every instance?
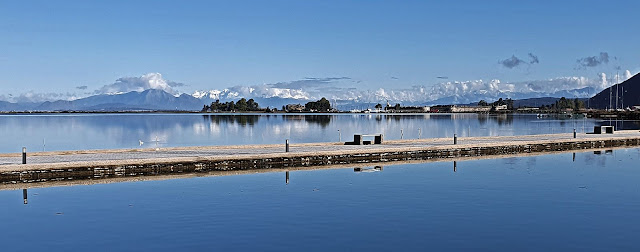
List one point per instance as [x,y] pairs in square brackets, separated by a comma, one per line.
[151,99]
[345,99]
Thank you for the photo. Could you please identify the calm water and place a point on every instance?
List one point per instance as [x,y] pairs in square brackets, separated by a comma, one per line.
[540,203]
[109,131]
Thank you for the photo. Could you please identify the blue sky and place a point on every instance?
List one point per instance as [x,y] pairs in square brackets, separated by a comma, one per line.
[55,46]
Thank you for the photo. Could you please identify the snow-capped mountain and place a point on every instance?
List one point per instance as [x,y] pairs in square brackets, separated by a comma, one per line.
[442,93]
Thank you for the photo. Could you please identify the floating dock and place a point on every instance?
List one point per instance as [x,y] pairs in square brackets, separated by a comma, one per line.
[100,164]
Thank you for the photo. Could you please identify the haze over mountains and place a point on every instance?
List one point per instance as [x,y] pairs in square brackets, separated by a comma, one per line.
[152,92]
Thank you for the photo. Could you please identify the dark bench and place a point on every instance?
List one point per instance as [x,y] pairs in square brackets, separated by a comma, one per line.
[358,139]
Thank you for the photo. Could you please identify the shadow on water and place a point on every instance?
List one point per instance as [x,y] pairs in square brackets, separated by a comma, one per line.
[322,120]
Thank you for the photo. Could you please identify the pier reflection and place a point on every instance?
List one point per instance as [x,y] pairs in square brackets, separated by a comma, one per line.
[376,168]
[455,166]
[287,178]
[24,196]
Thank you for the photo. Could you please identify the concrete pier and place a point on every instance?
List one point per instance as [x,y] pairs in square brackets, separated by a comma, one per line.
[77,165]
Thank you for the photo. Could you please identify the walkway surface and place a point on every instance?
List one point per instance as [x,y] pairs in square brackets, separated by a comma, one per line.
[12,161]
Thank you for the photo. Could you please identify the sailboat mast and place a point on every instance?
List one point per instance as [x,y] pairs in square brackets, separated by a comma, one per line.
[610,101]
[617,82]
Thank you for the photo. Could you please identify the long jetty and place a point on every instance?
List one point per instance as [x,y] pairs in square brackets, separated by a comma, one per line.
[99,164]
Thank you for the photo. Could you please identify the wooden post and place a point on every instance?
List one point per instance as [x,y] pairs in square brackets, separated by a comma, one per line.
[455,139]
[286,148]
[24,155]
[574,133]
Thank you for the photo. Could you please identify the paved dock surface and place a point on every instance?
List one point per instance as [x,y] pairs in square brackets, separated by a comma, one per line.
[39,160]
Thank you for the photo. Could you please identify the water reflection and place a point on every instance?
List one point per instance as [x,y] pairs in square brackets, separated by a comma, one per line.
[597,158]
[122,131]
[242,120]
[567,207]
[287,178]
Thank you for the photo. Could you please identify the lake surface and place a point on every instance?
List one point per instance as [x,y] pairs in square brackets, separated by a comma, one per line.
[122,131]
[557,202]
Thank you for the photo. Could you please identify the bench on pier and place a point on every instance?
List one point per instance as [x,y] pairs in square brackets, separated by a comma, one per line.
[359,139]
[603,130]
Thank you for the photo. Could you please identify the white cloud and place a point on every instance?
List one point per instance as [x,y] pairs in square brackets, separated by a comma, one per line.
[139,84]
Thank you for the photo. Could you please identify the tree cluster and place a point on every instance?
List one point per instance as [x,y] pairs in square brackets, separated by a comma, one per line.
[499,102]
[241,105]
[564,103]
[394,107]
[322,105]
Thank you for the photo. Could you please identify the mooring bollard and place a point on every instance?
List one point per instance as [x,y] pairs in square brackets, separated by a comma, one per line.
[286,148]
[574,133]
[455,139]
[287,178]
[24,155]
[24,195]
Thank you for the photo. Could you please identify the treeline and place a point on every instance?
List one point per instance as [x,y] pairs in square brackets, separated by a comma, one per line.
[241,105]
[564,103]
[560,104]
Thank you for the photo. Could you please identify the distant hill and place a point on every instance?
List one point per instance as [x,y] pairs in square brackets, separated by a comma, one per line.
[151,99]
[630,97]
[8,106]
